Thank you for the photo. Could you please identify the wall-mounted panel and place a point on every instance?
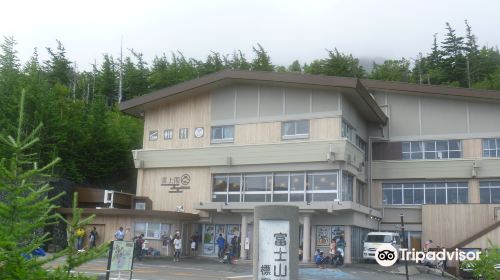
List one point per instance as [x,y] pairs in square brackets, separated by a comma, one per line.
[297,100]
[246,101]
[484,117]
[404,115]
[324,101]
[443,116]
[223,100]
[271,101]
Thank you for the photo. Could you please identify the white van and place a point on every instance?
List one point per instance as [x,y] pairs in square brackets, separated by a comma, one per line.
[375,239]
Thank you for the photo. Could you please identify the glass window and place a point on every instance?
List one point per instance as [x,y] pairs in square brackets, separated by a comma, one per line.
[442,149]
[297,182]
[347,186]
[280,182]
[222,134]
[234,184]
[220,184]
[491,147]
[255,183]
[151,230]
[426,193]
[322,181]
[347,131]
[489,192]
[295,129]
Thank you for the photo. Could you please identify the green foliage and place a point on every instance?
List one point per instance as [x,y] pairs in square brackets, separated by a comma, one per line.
[392,70]
[24,205]
[337,64]
[262,61]
[484,268]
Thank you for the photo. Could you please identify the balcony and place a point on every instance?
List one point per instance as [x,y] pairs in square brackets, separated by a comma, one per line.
[339,150]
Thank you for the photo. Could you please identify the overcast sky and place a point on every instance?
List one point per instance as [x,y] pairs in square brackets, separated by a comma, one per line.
[288,30]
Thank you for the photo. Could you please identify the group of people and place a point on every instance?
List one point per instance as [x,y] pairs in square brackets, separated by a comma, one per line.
[227,252]
[336,256]
[80,234]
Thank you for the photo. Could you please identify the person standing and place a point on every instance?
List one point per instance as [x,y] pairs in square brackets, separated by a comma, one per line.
[177,247]
[333,249]
[119,234]
[193,247]
[221,242]
[80,234]
[234,244]
[93,237]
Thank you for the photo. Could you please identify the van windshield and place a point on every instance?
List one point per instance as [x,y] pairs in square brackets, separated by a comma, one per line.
[379,238]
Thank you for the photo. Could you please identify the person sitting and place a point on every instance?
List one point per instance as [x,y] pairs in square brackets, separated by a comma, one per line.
[321,260]
[228,255]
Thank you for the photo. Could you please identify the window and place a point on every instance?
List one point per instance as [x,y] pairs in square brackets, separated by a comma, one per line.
[489,192]
[321,186]
[360,192]
[295,129]
[491,147]
[347,131]
[222,134]
[275,187]
[443,149]
[153,135]
[183,133]
[151,230]
[168,134]
[140,205]
[362,145]
[347,185]
[425,193]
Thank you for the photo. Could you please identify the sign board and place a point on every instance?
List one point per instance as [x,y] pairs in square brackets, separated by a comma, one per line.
[274,250]
[177,184]
[122,255]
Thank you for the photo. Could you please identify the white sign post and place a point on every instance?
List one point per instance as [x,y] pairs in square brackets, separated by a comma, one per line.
[274,250]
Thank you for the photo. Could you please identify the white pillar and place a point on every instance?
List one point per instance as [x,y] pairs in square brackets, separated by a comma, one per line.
[243,236]
[306,245]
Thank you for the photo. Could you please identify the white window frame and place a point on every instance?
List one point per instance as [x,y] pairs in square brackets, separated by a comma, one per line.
[488,151]
[433,186]
[295,135]
[223,139]
[164,227]
[489,185]
[348,131]
[438,153]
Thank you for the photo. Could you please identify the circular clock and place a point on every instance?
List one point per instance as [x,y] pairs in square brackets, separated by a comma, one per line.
[198,132]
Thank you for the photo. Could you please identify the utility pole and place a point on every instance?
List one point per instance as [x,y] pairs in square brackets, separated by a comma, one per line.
[120,81]
[405,244]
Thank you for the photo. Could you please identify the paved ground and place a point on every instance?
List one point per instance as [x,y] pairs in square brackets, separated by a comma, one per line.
[209,268]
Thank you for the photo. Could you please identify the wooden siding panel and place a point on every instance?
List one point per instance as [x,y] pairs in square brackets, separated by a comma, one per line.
[472,148]
[324,129]
[163,200]
[448,225]
[258,133]
[190,112]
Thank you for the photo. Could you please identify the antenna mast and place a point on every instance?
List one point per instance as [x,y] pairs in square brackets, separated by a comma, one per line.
[120,88]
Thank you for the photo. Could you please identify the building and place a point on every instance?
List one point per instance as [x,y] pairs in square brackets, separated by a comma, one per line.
[351,154]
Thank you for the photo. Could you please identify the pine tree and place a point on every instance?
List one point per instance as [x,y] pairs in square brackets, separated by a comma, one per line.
[392,70]
[295,67]
[262,61]
[454,60]
[25,208]
[58,67]
[106,80]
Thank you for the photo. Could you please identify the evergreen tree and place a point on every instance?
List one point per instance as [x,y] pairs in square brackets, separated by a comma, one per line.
[454,60]
[9,84]
[337,64]
[106,80]
[58,67]
[392,70]
[295,67]
[262,61]
[239,62]
[24,205]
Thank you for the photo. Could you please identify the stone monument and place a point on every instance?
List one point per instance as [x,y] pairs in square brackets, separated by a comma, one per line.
[276,242]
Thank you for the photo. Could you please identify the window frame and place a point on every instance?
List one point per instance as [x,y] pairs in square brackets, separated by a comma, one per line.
[223,139]
[419,150]
[488,150]
[295,135]
[489,185]
[428,190]
[347,128]
[146,231]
